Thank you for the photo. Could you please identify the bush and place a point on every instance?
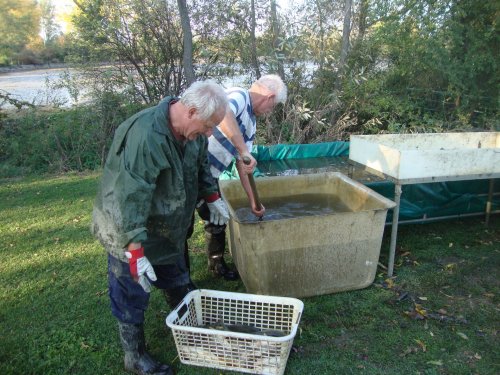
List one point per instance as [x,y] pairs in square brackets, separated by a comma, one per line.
[38,141]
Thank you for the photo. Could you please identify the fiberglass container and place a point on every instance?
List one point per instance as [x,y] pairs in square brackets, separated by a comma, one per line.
[299,256]
[429,156]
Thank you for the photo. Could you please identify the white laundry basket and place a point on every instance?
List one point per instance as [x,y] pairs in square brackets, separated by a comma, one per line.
[203,326]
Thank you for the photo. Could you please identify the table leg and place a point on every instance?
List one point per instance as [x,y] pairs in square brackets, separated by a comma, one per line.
[350,170]
[489,202]
[394,230]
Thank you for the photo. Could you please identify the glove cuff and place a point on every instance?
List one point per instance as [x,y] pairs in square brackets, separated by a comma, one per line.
[212,197]
[137,253]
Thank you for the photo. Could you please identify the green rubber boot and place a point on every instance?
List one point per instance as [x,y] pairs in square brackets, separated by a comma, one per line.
[137,359]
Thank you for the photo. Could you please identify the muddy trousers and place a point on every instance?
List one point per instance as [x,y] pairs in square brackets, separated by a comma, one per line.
[128,304]
[129,301]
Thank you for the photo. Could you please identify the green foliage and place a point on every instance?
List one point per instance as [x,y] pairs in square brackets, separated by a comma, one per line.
[141,38]
[18,24]
[440,59]
[418,66]
[77,139]
[421,66]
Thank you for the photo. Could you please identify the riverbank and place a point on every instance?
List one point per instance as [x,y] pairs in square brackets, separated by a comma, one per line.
[27,68]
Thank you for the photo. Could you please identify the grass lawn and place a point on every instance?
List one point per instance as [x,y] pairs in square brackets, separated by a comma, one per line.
[438,315]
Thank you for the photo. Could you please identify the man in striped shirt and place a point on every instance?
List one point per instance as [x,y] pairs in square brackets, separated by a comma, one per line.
[233,138]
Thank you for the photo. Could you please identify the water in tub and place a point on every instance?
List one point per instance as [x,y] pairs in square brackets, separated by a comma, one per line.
[291,207]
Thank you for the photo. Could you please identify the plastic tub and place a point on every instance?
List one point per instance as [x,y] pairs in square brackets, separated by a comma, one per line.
[308,255]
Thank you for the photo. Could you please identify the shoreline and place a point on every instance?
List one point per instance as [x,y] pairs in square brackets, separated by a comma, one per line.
[27,68]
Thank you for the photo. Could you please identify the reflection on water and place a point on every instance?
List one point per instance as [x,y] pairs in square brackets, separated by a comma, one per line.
[293,167]
[291,207]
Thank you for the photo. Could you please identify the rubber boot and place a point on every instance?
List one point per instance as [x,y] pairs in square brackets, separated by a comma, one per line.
[175,295]
[215,238]
[137,359]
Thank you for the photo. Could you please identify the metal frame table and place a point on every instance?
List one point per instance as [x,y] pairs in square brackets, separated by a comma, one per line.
[398,191]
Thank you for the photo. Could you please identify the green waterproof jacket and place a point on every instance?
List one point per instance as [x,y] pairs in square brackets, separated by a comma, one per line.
[149,187]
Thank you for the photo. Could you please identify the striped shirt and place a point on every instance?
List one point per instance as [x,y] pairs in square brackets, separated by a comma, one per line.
[220,149]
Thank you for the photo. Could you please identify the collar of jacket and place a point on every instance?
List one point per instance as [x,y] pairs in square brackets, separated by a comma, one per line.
[162,116]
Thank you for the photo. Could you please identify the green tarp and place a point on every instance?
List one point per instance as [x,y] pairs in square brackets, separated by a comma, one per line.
[418,201]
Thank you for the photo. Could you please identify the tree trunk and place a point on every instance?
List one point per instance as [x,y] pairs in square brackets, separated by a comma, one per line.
[253,43]
[346,32]
[363,14]
[276,33]
[321,36]
[187,57]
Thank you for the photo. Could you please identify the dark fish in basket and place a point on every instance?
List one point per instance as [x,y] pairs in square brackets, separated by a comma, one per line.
[244,328]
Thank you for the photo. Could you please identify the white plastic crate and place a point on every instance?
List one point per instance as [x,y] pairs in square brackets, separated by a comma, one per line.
[203,326]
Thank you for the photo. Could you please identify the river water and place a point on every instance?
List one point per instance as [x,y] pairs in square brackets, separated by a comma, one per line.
[37,86]
[40,87]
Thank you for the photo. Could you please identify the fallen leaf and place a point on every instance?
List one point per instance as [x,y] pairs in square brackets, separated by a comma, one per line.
[477,356]
[451,244]
[84,346]
[389,283]
[414,315]
[462,335]
[422,345]
[423,298]
[437,363]
[450,266]
[489,295]
[419,309]
[409,350]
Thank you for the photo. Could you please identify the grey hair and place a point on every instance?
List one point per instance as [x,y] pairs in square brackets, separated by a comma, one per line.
[274,83]
[207,97]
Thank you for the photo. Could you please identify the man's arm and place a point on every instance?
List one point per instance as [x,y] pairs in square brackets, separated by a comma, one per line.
[230,128]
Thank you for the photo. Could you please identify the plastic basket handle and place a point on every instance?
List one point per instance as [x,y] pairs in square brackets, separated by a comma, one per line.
[182,310]
[298,318]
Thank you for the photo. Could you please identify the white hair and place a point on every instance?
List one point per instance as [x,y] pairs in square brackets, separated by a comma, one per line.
[274,83]
[207,97]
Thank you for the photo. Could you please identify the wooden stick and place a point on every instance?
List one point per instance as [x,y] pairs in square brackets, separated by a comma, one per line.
[246,160]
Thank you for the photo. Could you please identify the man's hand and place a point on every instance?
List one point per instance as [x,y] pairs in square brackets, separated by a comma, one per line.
[140,267]
[219,214]
[247,168]
[258,211]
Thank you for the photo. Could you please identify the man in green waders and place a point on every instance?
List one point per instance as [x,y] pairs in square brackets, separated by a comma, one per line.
[156,169]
